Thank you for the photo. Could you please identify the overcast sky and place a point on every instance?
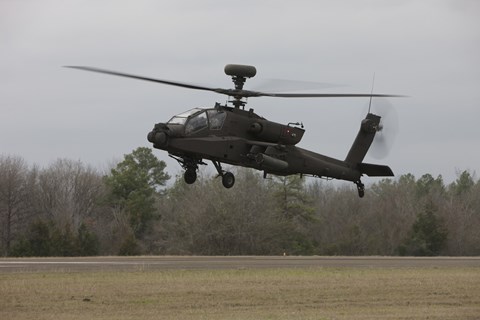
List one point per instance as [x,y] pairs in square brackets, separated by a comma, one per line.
[428,50]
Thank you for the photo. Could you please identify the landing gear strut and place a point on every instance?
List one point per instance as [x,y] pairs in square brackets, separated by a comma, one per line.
[360,188]
[228,179]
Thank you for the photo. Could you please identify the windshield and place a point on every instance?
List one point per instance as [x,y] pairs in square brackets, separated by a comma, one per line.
[196,123]
[182,117]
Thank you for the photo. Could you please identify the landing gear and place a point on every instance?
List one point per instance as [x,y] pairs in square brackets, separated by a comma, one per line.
[360,188]
[190,165]
[190,175]
[228,179]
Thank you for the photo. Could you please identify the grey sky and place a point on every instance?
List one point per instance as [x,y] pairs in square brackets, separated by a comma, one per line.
[427,50]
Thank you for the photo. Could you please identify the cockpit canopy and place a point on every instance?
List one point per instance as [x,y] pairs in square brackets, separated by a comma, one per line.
[197,119]
[182,117]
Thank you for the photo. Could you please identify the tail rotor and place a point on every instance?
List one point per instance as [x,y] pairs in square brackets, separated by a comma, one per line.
[387,129]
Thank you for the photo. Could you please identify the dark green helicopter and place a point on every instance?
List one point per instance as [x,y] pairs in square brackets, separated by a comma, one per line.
[233,135]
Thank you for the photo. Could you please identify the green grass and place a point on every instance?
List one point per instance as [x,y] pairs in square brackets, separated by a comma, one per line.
[317,293]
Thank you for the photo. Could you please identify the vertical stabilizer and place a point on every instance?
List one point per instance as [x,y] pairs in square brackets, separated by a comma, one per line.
[364,139]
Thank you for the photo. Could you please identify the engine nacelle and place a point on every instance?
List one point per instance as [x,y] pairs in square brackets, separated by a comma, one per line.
[269,131]
[255,128]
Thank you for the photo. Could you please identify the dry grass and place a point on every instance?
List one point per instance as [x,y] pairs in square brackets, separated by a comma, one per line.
[317,293]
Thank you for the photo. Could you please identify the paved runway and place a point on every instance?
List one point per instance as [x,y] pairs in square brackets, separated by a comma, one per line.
[240,262]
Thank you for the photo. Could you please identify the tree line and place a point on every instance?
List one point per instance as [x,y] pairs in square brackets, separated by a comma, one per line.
[72,209]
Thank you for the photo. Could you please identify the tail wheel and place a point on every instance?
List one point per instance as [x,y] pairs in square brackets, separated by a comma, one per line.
[228,180]
[360,188]
[361,192]
[190,176]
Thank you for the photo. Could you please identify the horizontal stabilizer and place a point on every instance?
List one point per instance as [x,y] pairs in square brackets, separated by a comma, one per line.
[375,170]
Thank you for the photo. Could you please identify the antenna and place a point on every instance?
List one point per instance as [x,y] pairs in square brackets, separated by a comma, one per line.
[371,93]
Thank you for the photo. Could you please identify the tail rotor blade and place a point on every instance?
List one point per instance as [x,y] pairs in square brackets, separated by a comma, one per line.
[388,129]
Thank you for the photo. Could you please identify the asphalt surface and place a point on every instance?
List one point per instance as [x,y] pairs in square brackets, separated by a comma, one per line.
[144,263]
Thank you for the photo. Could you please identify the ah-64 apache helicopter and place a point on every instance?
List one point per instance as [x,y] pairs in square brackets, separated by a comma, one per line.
[235,136]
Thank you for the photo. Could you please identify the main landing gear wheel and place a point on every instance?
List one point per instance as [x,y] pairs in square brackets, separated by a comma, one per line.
[228,180]
[190,176]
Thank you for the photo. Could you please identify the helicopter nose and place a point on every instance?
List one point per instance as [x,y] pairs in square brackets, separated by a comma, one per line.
[151,136]
[158,138]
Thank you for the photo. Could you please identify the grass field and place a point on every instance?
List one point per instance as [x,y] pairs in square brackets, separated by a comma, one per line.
[304,293]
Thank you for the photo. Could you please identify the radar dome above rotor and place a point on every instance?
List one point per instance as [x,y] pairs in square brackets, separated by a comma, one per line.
[240,70]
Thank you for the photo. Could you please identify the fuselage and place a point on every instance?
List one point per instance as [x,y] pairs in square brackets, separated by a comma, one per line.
[239,137]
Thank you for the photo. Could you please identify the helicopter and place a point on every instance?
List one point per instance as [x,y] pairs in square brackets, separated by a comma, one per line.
[229,134]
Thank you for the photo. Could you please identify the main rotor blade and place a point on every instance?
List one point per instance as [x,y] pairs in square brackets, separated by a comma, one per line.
[288,85]
[121,74]
[324,95]
[236,93]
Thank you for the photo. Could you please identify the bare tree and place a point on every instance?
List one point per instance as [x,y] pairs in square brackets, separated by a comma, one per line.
[461,212]
[205,218]
[69,192]
[13,198]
